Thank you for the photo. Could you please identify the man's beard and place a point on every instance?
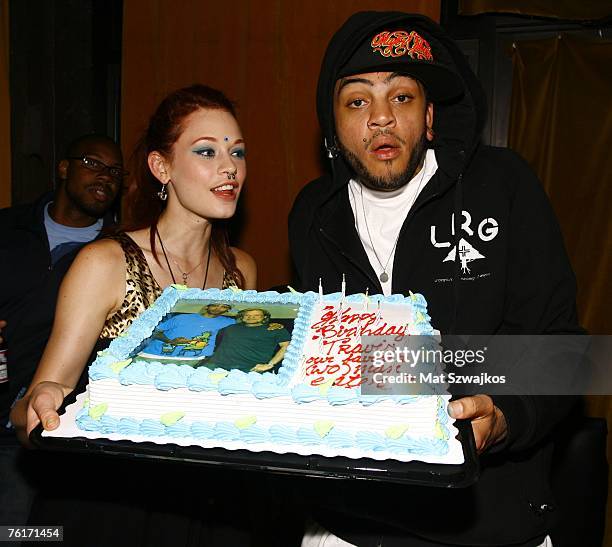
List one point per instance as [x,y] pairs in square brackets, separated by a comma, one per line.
[93,209]
[390,182]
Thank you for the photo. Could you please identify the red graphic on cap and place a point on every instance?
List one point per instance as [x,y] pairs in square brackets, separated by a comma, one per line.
[399,42]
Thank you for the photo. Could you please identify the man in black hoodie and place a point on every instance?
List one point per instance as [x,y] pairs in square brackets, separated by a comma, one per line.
[415,203]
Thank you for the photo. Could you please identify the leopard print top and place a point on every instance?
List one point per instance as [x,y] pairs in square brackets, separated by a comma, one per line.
[141,289]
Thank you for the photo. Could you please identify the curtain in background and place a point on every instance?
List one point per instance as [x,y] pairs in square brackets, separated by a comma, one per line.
[564,9]
[561,123]
[266,56]
[5,108]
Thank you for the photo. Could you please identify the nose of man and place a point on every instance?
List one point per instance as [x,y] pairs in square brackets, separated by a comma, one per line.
[381,115]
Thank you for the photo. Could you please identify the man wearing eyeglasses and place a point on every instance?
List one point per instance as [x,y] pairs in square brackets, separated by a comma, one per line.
[38,242]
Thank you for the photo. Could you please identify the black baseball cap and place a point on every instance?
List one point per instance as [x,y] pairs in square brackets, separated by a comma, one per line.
[406,51]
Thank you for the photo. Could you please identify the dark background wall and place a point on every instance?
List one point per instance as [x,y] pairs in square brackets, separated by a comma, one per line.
[65,59]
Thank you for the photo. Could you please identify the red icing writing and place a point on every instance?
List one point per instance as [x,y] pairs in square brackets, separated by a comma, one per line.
[341,353]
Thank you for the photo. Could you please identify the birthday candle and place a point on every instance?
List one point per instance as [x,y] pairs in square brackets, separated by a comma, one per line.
[378,311]
[341,303]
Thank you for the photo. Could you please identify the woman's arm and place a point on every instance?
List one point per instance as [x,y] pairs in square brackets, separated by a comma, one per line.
[246,264]
[93,288]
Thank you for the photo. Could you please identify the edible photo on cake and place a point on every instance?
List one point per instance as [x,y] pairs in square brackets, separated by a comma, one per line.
[225,335]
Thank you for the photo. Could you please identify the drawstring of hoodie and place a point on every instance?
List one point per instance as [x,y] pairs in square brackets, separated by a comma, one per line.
[457,210]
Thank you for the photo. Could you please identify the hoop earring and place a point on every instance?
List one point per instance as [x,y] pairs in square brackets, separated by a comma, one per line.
[163,193]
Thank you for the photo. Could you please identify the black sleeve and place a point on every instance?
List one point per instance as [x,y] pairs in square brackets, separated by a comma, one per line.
[540,299]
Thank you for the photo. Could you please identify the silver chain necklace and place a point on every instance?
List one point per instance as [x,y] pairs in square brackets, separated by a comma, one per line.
[184,274]
[384,276]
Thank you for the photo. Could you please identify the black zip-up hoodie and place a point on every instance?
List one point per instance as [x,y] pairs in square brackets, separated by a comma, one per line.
[513,277]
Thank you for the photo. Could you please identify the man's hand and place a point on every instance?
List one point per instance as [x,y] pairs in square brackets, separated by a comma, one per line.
[488,422]
[262,367]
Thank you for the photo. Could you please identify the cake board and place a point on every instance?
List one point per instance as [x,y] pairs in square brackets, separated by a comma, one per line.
[414,472]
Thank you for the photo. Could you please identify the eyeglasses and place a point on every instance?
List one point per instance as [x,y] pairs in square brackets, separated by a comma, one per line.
[117,173]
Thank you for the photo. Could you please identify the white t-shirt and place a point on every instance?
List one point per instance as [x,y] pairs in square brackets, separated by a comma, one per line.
[62,239]
[379,217]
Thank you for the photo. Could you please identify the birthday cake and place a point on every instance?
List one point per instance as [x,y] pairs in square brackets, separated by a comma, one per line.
[263,371]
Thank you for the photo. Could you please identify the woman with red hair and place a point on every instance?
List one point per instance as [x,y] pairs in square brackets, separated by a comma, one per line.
[189,170]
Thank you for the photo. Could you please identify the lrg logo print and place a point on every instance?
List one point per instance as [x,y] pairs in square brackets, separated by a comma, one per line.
[486,230]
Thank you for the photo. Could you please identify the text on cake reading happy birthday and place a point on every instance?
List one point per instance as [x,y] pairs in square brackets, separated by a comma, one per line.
[341,352]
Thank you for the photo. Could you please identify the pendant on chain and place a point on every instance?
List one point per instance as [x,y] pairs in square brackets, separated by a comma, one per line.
[384,277]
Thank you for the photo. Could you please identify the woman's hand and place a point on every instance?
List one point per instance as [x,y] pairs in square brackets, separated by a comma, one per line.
[45,399]
[40,406]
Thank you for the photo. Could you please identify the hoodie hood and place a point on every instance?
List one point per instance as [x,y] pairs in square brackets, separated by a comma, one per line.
[457,123]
